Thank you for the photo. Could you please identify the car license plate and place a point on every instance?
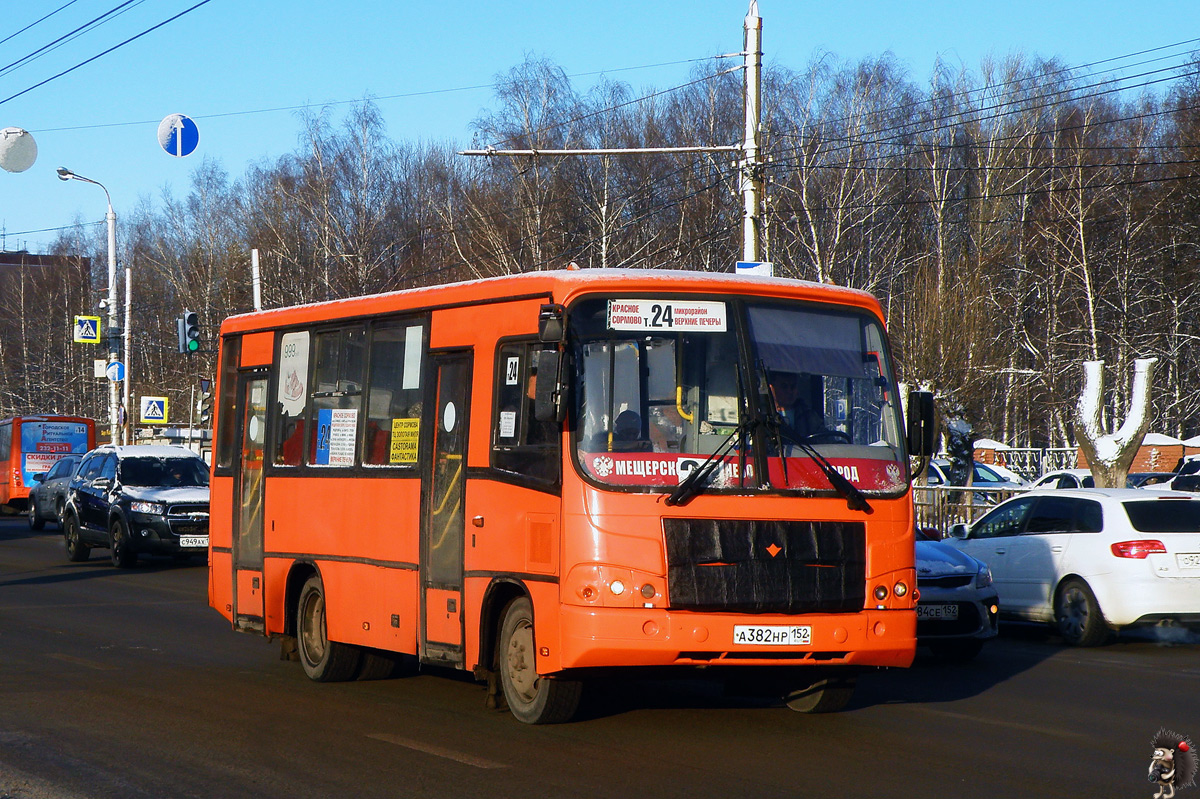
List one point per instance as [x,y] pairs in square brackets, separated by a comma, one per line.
[1188,560]
[772,635]
[937,611]
[189,541]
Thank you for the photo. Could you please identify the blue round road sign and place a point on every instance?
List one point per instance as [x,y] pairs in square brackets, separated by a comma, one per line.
[178,135]
[115,371]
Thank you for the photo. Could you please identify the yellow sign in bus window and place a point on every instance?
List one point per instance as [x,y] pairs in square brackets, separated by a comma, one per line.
[405,435]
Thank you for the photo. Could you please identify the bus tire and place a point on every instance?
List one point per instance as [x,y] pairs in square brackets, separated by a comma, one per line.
[323,660]
[122,554]
[77,551]
[531,698]
[827,695]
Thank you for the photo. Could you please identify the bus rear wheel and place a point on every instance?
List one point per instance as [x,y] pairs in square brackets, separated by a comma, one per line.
[827,695]
[532,698]
[323,660]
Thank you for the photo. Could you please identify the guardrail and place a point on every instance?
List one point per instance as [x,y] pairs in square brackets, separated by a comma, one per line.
[939,507]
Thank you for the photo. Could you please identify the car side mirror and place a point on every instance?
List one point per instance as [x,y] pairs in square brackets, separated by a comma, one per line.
[958,530]
[37,478]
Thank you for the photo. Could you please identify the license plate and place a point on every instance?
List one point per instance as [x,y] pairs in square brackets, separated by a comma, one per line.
[943,612]
[1188,560]
[771,635]
[188,541]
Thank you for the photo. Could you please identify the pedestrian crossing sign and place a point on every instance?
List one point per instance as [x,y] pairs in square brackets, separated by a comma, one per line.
[87,329]
[154,410]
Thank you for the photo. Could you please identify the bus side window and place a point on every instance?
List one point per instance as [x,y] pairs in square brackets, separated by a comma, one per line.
[392,432]
[336,396]
[520,443]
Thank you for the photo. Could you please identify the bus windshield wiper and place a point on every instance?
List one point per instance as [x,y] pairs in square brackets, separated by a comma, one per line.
[695,482]
[780,429]
[855,500]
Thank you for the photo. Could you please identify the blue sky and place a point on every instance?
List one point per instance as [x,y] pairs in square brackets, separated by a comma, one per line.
[435,63]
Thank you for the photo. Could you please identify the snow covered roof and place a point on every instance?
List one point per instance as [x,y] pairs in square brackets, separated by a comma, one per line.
[1159,440]
[992,444]
[1194,441]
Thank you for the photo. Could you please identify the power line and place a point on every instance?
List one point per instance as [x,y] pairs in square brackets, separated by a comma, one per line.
[106,52]
[107,16]
[38,22]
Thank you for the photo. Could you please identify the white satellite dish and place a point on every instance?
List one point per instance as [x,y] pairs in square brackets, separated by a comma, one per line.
[18,150]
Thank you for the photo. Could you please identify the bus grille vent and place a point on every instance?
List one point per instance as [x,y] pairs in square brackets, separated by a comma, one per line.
[765,566]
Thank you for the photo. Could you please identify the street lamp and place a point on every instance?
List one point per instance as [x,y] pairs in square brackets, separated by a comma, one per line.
[111,303]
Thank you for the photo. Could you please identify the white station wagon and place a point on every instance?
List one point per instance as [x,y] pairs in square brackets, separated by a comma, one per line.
[1092,560]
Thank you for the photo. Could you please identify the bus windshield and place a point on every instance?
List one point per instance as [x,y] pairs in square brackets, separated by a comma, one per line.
[662,384]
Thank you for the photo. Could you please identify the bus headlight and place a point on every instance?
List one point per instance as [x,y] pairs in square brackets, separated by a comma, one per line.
[612,586]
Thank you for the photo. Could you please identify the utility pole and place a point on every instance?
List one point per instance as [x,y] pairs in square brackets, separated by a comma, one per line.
[751,167]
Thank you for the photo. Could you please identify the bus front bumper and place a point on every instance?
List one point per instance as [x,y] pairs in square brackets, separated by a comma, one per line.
[613,637]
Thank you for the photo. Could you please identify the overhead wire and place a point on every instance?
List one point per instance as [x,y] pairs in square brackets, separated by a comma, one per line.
[38,21]
[70,36]
[105,52]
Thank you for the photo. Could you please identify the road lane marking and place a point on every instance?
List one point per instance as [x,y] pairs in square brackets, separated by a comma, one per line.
[437,751]
[91,664]
[1015,725]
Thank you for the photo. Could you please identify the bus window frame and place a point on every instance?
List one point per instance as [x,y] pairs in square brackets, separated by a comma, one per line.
[739,325]
[532,345]
[369,324]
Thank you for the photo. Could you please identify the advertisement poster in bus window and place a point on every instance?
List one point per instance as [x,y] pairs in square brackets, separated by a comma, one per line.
[336,429]
[405,435]
[293,373]
[43,443]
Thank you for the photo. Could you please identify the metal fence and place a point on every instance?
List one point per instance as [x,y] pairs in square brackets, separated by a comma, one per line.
[940,507]
[1032,463]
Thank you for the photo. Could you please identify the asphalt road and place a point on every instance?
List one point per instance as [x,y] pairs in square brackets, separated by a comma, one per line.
[126,684]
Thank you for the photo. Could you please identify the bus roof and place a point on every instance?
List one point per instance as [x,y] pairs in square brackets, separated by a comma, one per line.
[560,286]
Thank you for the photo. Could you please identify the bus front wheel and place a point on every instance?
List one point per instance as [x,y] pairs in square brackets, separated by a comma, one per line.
[823,696]
[531,698]
[323,660]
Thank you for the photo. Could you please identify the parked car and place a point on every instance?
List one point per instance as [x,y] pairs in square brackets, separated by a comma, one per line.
[1185,478]
[1092,561]
[1082,478]
[957,605]
[984,476]
[49,492]
[137,499]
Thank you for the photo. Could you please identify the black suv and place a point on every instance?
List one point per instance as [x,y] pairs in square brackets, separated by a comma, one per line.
[134,499]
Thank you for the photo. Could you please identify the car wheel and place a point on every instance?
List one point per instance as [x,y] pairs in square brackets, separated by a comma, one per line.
[323,660]
[35,522]
[1077,615]
[120,550]
[59,510]
[76,550]
[823,696]
[531,698]
[962,651]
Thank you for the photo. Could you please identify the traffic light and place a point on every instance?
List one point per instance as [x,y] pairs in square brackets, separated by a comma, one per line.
[188,329]
[205,404]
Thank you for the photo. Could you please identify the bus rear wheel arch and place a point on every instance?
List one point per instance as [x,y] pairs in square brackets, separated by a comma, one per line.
[532,698]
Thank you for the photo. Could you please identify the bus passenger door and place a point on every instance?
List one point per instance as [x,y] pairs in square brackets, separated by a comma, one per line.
[443,520]
[248,508]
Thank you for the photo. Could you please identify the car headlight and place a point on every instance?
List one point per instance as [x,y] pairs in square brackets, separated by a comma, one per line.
[983,577]
[152,508]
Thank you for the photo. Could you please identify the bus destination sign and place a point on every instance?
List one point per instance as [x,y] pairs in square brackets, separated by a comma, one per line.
[664,316]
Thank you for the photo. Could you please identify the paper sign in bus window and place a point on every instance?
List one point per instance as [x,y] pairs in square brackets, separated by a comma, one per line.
[405,436]
[336,428]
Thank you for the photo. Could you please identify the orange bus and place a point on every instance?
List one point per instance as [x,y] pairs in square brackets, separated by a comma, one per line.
[30,445]
[548,477]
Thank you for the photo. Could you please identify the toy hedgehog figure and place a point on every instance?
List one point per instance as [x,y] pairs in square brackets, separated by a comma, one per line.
[1173,764]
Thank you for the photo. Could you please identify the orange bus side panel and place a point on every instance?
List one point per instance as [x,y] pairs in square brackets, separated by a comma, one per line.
[220,582]
[442,616]
[257,349]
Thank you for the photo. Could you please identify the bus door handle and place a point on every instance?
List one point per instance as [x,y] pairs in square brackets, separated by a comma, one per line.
[477,521]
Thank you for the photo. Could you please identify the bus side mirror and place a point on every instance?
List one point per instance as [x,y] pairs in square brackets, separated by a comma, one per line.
[920,424]
[551,327]
[549,399]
